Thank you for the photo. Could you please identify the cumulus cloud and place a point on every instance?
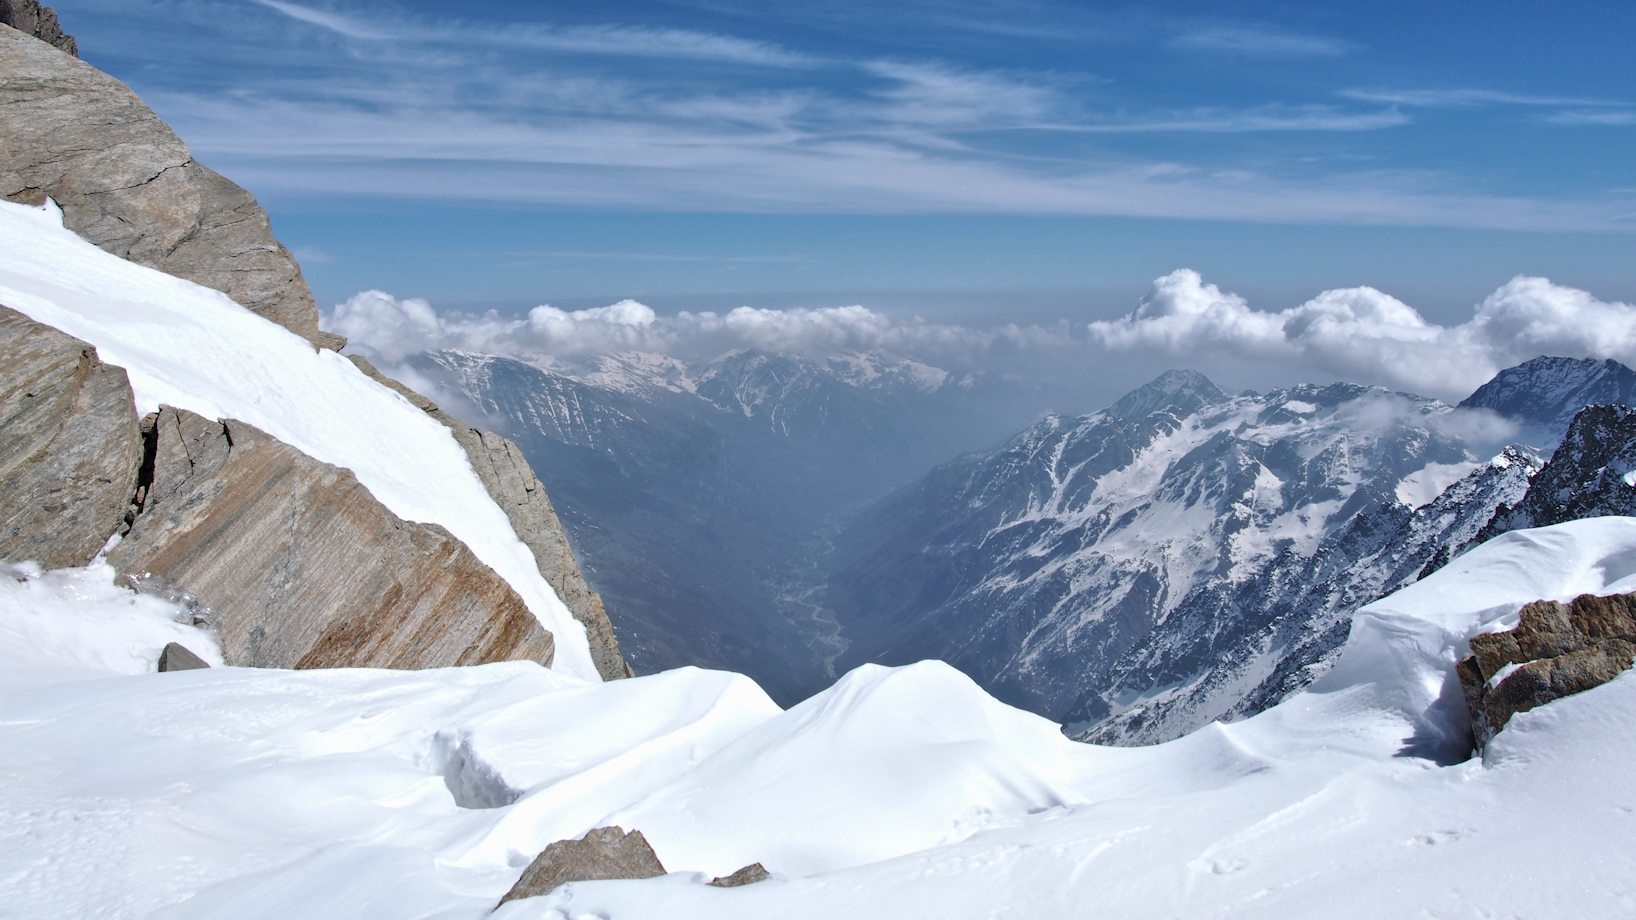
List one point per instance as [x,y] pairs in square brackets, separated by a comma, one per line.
[1369,336]
[390,329]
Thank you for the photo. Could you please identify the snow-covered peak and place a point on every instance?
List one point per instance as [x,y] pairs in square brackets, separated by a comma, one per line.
[1179,391]
[1546,392]
[634,372]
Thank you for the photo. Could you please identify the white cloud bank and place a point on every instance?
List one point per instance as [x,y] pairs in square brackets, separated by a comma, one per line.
[1356,334]
[1366,335]
[390,329]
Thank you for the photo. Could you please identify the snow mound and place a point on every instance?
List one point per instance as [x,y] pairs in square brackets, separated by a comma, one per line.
[191,347]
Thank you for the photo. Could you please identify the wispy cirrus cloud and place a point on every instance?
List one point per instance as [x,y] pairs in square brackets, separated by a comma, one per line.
[1260,41]
[1469,97]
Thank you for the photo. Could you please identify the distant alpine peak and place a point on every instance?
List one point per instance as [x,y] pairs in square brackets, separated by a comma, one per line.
[1180,391]
[1546,392]
[873,370]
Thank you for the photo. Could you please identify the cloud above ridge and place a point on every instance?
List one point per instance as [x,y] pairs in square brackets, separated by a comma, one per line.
[1366,335]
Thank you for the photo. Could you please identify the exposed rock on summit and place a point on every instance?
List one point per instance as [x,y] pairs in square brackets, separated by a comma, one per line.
[30,18]
[127,183]
[70,450]
[1555,650]
[604,853]
[300,566]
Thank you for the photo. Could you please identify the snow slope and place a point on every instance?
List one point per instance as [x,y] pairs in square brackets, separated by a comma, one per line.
[898,793]
[191,347]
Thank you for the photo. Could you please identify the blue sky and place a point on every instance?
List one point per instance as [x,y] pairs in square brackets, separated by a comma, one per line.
[1024,160]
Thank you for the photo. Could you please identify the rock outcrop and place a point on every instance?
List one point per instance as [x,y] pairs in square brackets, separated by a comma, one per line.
[1555,650]
[604,853]
[30,18]
[511,481]
[176,657]
[299,566]
[749,875]
[1589,475]
[127,183]
[69,445]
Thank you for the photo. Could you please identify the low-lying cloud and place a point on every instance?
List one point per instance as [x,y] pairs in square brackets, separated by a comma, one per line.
[1369,336]
[1361,335]
[390,329]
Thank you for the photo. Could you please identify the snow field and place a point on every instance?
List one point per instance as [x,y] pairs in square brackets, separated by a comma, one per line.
[191,347]
[898,792]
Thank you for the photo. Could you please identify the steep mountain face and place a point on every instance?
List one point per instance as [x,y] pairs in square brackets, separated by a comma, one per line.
[1545,393]
[699,496]
[1053,566]
[1591,474]
[1229,652]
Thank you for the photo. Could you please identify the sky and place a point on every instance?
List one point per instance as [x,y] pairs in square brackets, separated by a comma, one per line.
[971,163]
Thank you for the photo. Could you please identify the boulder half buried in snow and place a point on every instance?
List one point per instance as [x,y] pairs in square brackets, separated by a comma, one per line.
[1555,650]
[603,853]
[300,566]
[177,657]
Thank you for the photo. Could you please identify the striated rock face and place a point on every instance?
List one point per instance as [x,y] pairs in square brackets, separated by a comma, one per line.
[69,445]
[298,566]
[30,18]
[511,481]
[604,853]
[1555,650]
[127,183]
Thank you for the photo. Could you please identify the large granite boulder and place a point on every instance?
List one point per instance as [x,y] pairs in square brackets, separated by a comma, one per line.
[604,853]
[296,565]
[30,18]
[511,481]
[127,183]
[1555,650]
[69,445]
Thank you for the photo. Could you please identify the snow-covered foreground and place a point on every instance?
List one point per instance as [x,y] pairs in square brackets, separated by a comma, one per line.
[898,793]
[190,347]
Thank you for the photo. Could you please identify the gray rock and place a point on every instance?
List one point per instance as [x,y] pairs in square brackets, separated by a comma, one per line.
[749,875]
[70,448]
[30,18]
[176,657]
[511,481]
[604,853]
[1561,649]
[300,566]
[128,184]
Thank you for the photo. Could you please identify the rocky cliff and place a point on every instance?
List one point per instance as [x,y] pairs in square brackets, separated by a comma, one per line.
[292,560]
[30,18]
[127,183]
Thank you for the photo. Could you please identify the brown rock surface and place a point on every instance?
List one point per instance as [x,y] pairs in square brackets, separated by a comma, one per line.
[511,481]
[1561,649]
[749,875]
[69,445]
[127,183]
[30,18]
[604,853]
[299,566]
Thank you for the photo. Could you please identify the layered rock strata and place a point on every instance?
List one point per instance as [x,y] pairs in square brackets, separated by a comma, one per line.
[128,184]
[299,566]
[511,481]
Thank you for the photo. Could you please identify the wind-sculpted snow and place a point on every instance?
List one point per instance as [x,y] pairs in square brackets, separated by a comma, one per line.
[1054,570]
[900,792]
[190,347]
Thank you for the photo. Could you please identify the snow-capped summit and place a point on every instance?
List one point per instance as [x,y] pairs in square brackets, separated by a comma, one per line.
[1179,391]
[1545,393]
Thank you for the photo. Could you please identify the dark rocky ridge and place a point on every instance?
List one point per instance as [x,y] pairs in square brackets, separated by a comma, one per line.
[30,18]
